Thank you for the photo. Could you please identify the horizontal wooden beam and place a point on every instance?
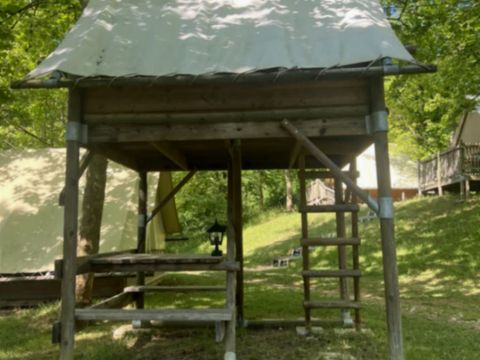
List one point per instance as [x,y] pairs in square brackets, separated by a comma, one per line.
[159,315]
[83,262]
[330,241]
[337,208]
[122,268]
[280,323]
[331,273]
[353,126]
[340,304]
[180,289]
[212,117]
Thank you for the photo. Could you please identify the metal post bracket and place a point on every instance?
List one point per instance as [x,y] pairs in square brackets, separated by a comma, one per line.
[142,220]
[376,122]
[389,68]
[386,209]
[76,131]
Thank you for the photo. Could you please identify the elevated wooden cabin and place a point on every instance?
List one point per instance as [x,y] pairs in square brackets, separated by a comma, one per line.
[239,85]
[458,168]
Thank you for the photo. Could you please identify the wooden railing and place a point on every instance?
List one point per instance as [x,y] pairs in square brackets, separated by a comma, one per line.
[318,193]
[449,167]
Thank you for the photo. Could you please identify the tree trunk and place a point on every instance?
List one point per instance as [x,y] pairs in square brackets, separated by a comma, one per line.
[90,223]
[288,191]
[261,198]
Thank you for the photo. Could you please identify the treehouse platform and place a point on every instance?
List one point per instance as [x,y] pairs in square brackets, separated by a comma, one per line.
[168,91]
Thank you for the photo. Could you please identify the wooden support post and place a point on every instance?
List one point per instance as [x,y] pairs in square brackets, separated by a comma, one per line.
[141,232]
[419,178]
[467,189]
[392,295]
[355,247]
[439,176]
[237,222]
[342,250]
[84,162]
[305,249]
[230,340]
[67,332]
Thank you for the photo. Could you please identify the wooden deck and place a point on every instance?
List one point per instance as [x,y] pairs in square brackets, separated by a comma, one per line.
[452,167]
[29,291]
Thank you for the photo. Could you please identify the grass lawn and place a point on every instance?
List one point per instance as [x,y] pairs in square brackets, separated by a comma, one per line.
[439,262]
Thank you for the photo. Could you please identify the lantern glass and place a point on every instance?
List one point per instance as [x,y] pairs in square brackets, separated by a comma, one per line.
[216,233]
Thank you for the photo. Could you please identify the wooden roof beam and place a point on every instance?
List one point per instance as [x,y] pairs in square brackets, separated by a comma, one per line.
[167,149]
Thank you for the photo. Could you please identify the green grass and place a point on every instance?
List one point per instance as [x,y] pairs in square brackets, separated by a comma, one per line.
[438,254]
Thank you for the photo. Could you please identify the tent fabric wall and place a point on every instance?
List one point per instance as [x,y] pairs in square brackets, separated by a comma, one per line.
[166,221]
[31,221]
[161,38]
[403,171]
[468,130]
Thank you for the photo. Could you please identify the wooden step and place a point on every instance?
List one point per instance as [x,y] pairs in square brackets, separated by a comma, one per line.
[330,241]
[206,315]
[331,273]
[339,304]
[329,208]
[161,262]
[144,289]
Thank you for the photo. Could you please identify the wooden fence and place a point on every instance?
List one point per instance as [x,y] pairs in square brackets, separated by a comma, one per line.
[449,167]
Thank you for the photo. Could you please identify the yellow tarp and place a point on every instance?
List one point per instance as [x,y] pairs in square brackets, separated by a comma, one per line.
[166,221]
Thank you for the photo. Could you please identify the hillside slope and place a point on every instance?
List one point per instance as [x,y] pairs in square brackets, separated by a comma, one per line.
[438,252]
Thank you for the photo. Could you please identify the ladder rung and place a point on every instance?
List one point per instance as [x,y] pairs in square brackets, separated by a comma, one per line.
[329,208]
[325,174]
[339,304]
[146,315]
[330,241]
[331,273]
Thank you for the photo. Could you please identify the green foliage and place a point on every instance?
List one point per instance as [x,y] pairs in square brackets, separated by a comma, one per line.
[29,31]
[204,199]
[425,109]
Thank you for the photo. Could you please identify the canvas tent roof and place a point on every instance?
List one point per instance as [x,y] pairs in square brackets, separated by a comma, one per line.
[468,130]
[160,38]
[31,221]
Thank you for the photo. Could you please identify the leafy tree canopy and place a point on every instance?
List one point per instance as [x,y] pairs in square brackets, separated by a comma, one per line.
[425,109]
[29,31]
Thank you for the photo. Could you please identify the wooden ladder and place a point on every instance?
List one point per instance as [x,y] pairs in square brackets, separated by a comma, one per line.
[343,204]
